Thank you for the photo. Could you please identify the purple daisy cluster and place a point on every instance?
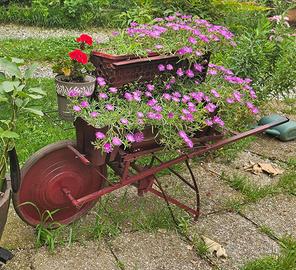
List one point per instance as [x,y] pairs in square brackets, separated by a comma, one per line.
[176,103]
[199,34]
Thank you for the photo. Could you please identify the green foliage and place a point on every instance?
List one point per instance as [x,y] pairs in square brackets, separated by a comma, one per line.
[16,97]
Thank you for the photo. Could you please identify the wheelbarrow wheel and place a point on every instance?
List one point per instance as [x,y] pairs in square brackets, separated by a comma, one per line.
[40,198]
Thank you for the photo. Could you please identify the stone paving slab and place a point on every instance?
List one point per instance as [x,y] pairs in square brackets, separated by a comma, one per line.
[156,251]
[273,149]
[213,191]
[236,167]
[278,213]
[17,234]
[239,237]
[85,256]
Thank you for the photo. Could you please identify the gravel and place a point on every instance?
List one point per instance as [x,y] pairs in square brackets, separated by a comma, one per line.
[22,32]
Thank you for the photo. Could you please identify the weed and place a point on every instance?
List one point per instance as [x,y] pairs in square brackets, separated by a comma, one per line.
[47,231]
[200,246]
[251,192]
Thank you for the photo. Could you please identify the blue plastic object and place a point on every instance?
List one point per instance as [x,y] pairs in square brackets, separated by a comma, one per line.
[284,132]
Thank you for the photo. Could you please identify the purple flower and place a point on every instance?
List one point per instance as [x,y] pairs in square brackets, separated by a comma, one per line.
[198,67]
[161,67]
[175,99]
[116,141]
[103,95]
[212,72]
[157,108]
[189,143]
[113,90]
[128,96]
[180,72]
[185,98]
[94,114]
[101,81]
[133,24]
[229,100]
[184,50]
[100,135]
[189,73]
[107,147]
[124,121]
[237,96]
[139,136]
[170,115]
[158,116]
[150,87]
[130,137]
[192,40]
[76,108]
[169,67]
[215,93]
[218,120]
[209,122]
[158,46]
[182,134]
[177,94]
[84,104]
[167,96]
[148,94]
[140,114]
[109,107]
[210,107]
[172,80]
[168,86]
[151,102]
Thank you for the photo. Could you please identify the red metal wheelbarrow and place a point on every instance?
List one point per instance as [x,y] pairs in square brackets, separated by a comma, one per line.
[72,176]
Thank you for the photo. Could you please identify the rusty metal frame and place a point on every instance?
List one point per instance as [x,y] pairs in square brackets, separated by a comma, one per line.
[127,161]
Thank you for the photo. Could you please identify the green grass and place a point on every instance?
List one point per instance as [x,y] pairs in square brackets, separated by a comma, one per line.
[285,261]
[37,132]
[35,49]
[251,192]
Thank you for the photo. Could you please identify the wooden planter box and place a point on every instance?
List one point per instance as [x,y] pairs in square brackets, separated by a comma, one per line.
[118,70]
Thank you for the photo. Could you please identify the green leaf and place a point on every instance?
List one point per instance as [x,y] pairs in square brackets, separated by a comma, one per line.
[35,111]
[9,134]
[18,102]
[35,96]
[9,86]
[3,99]
[10,68]
[37,90]
[30,71]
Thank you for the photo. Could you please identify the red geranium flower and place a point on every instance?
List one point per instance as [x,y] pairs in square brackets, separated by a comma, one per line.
[79,56]
[85,38]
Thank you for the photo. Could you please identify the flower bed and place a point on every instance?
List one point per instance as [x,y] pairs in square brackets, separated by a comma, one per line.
[174,103]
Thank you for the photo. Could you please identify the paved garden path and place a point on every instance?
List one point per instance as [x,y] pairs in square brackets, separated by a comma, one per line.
[157,245]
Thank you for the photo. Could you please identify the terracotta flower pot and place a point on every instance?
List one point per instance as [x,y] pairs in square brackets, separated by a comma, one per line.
[4,206]
[63,89]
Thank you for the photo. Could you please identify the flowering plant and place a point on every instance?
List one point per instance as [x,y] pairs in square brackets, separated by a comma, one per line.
[76,66]
[184,35]
[176,106]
